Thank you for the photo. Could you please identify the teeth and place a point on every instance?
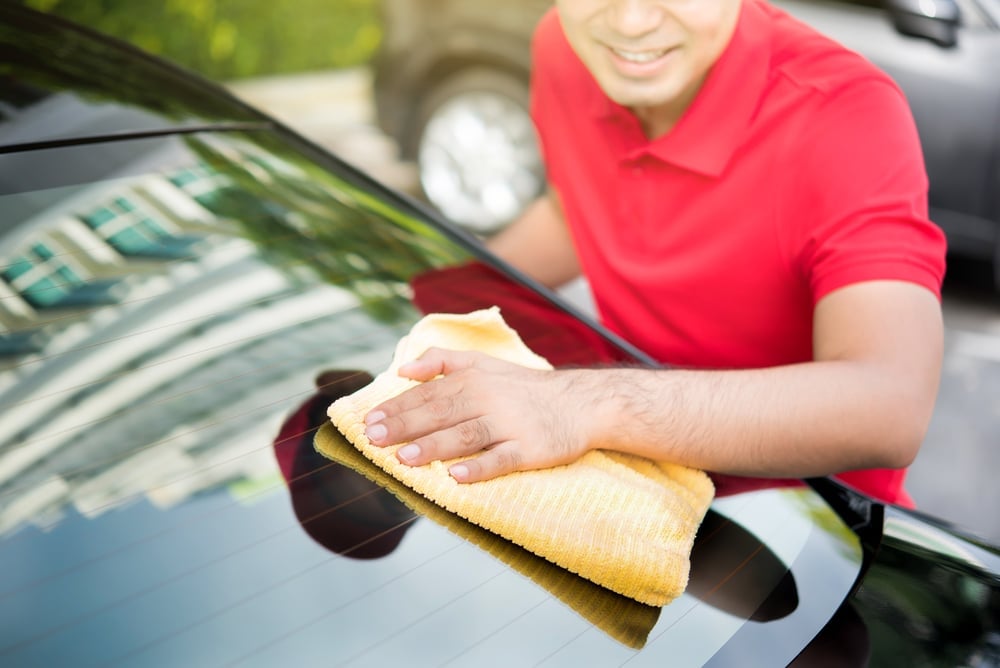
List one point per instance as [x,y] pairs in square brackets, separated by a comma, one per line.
[639,56]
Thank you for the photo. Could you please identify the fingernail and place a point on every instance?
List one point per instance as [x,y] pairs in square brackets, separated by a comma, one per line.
[406,368]
[374,416]
[409,452]
[459,472]
[376,432]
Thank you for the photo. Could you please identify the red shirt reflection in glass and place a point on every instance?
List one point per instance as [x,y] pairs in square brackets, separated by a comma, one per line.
[557,336]
[338,508]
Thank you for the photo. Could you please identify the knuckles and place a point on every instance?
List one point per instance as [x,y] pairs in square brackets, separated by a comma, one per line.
[474,434]
[440,409]
[505,461]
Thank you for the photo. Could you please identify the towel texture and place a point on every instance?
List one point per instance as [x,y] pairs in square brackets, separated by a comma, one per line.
[624,522]
[624,619]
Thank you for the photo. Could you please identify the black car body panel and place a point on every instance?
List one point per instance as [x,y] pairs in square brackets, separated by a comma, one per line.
[177,312]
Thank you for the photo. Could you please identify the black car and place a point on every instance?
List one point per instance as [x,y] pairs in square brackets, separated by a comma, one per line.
[187,284]
[451,87]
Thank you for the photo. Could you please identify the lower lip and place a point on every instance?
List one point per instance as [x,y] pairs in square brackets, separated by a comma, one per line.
[634,69]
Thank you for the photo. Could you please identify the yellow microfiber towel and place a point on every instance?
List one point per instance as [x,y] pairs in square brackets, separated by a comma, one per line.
[624,522]
[624,619]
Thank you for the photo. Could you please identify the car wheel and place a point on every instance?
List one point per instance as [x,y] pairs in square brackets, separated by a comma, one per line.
[476,150]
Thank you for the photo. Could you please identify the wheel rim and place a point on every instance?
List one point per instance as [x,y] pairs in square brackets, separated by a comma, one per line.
[478,160]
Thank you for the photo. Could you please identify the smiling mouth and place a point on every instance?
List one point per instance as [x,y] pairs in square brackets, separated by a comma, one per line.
[640,56]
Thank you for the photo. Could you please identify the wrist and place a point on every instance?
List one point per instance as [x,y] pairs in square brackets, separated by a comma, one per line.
[606,400]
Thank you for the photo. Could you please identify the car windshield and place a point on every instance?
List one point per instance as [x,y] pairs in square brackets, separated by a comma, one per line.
[176,314]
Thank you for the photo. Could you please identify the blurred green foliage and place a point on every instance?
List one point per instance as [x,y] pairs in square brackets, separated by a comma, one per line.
[232,39]
[310,221]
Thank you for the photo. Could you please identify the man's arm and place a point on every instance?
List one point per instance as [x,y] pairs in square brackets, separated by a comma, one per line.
[539,243]
[864,402]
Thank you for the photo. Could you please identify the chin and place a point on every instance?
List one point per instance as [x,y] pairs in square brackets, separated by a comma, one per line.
[640,93]
[643,99]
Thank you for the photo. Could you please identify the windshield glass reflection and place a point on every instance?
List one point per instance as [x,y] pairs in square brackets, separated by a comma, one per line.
[156,322]
[160,325]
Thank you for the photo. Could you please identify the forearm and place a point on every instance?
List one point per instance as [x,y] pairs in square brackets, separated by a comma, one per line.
[864,402]
[539,244]
[793,421]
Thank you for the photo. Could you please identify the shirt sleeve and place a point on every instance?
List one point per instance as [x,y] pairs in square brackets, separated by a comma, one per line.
[861,174]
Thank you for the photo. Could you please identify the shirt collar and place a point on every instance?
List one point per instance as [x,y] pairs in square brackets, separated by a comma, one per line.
[713,127]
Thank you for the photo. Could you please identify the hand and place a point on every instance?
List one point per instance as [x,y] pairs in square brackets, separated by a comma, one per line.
[515,418]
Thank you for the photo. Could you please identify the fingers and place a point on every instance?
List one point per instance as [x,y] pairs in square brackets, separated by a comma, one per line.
[437,403]
[500,460]
[465,438]
[492,462]
[438,362]
[417,412]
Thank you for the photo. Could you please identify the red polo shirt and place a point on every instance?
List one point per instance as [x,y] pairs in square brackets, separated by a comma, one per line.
[797,170]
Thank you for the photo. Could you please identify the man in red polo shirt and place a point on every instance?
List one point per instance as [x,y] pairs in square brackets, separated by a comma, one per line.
[748,202]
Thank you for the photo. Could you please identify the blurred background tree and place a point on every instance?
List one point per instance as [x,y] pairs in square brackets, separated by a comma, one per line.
[232,39]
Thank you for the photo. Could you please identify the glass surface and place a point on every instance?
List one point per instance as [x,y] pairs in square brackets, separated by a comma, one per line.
[160,500]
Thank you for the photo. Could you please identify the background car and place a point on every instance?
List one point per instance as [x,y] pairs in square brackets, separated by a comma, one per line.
[187,284]
[451,87]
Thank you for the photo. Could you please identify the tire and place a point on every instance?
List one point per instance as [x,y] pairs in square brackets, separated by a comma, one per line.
[475,148]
